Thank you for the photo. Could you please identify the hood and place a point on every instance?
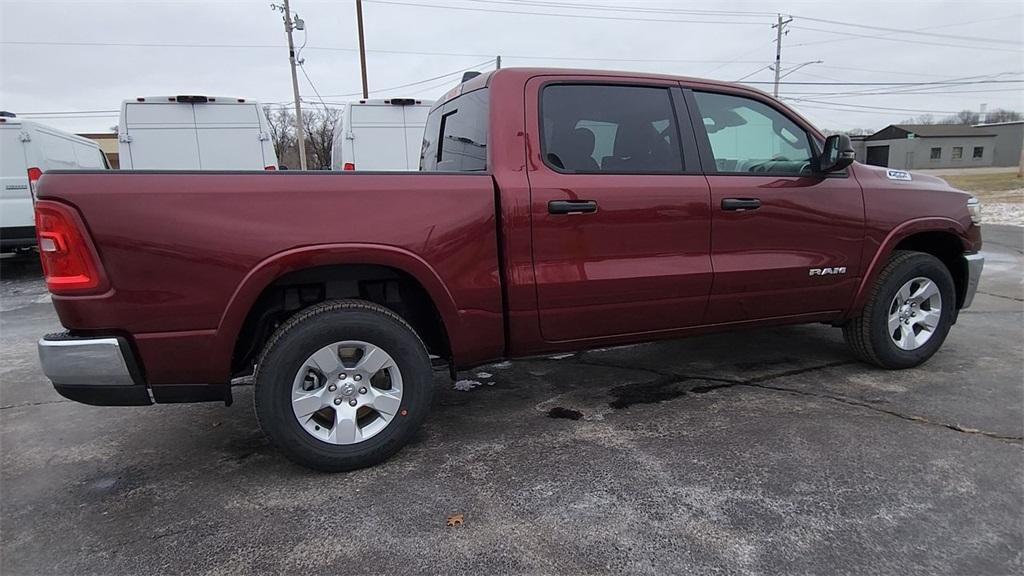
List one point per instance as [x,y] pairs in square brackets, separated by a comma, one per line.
[895,179]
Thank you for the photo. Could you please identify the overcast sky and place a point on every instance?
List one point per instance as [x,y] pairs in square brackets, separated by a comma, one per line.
[87,56]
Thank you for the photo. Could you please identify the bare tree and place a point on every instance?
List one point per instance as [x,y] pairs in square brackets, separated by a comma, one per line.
[1001,115]
[967,117]
[320,125]
[282,135]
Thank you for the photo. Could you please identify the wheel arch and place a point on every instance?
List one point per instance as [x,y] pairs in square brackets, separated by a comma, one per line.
[944,238]
[334,257]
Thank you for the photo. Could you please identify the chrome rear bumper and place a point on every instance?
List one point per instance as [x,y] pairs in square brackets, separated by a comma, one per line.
[98,371]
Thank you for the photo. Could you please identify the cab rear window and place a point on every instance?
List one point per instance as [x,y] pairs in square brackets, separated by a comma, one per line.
[455,137]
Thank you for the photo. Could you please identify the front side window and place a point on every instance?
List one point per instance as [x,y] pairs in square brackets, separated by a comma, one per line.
[750,137]
[958,152]
[979,151]
[936,153]
[455,136]
[609,129]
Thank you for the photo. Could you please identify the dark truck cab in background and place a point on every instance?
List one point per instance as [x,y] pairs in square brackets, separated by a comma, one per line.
[554,210]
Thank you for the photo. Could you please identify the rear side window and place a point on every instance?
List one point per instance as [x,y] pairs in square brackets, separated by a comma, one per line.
[455,137]
[610,129]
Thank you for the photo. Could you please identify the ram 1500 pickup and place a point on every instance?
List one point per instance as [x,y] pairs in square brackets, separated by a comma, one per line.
[554,210]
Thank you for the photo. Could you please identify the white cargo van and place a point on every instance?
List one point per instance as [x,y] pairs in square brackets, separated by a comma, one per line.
[194,133]
[28,149]
[380,135]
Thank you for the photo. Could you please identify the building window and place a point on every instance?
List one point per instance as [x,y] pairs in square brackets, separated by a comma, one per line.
[936,153]
[958,152]
[979,151]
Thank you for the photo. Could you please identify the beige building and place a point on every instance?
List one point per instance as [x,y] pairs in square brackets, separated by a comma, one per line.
[108,144]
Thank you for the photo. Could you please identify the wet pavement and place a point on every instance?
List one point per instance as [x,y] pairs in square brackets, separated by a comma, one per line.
[767,451]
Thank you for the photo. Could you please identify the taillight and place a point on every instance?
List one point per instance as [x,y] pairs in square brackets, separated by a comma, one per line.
[349,166]
[33,176]
[270,167]
[69,261]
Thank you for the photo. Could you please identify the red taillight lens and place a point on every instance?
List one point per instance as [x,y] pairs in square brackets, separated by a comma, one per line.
[270,167]
[33,176]
[348,166]
[69,262]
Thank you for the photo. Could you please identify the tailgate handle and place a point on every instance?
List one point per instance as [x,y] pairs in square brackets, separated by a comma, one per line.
[740,204]
[572,207]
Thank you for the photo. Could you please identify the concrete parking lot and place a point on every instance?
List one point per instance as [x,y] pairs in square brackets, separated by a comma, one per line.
[769,451]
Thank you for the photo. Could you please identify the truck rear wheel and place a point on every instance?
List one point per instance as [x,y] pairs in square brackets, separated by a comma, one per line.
[908,313]
[343,385]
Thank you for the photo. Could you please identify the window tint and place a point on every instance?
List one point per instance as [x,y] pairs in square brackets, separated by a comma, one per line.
[750,137]
[613,129]
[455,137]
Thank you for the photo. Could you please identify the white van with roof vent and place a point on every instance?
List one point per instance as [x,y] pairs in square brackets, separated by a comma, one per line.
[27,149]
[194,133]
[380,134]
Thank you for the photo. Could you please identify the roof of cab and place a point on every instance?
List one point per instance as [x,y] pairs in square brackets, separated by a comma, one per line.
[522,74]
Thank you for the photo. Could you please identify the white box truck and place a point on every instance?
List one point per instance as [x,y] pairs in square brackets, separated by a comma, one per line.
[194,133]
[380,134]
[27,149]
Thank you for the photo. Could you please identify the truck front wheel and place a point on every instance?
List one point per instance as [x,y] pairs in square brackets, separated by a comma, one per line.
[343,385]
[908,313]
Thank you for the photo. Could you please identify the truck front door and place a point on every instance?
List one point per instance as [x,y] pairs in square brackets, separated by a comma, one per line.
[785,241]
[620,212]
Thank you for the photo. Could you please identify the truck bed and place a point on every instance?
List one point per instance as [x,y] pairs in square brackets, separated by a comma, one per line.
[161,235]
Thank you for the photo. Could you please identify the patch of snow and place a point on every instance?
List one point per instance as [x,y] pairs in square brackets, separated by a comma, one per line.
[484,375]
[1002,213]
[465,385]
[501,365]
[490,383]
[562,356]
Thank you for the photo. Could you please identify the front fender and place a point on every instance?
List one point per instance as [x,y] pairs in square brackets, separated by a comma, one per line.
[880,251]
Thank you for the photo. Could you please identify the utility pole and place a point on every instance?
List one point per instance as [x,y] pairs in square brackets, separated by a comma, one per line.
[497,62]
[362,46]
[290,25]
[778,50]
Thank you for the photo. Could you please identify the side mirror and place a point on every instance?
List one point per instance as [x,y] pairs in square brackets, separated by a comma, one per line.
[837,154]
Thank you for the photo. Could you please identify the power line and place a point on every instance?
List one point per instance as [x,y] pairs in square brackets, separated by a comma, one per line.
[452,73]
[918,32]
[888,38]
[894,83]
[340,49]
[866,107]
[560,15]
[608,8]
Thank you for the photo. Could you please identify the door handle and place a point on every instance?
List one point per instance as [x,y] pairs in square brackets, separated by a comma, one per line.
[572,207]
[740,204]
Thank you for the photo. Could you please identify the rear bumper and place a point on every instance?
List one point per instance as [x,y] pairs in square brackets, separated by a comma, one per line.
[17,238]
[104,372]
[97,371]
[975,263]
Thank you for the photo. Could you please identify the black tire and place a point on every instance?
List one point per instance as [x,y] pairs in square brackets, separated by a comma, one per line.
[867,335]
[319,326]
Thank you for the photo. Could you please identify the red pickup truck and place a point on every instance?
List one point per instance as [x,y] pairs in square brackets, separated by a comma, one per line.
[554,210]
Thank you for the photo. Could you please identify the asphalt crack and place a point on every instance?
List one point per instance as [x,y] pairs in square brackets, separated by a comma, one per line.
[670,379]
[28,404]
[1014,298]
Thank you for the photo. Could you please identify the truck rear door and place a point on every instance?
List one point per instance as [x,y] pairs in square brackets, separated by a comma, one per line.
[161,136]
[620,210]
[229,136]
